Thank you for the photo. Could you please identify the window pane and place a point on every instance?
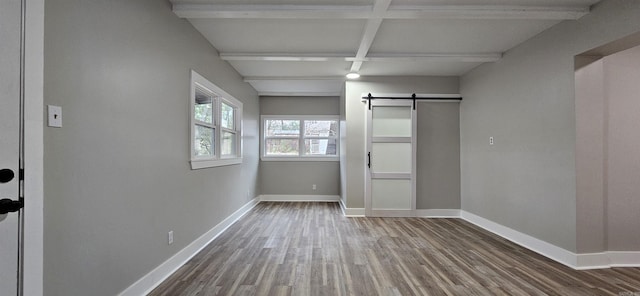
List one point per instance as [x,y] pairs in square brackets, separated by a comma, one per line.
[391,121]
[228,144]
[282,128]
[275,147]
[203,108]
[203,141]
[320,128]
[319,147]
[227,116]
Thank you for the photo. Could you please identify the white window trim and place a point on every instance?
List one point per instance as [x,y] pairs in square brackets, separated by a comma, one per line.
[200,162]
[300,156]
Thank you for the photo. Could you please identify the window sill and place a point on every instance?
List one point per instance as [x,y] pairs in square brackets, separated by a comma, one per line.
[210,163]
[296,158]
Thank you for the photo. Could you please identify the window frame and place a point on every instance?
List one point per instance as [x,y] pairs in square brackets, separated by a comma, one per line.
[301,138]
[218,96]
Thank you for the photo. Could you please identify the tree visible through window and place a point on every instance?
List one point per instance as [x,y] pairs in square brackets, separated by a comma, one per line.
[300,136]
[216,125]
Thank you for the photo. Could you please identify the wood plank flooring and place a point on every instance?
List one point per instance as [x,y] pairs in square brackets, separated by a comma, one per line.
[311,249]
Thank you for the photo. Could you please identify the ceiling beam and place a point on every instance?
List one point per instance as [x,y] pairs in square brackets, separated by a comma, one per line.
[279,57]
[368,12]
[298,94]
[273,11]
[292,78]
[435,57]
[486,12]
[381,57]
[373,24]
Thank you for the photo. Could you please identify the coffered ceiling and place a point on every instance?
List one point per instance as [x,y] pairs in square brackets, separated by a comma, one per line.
[305,47]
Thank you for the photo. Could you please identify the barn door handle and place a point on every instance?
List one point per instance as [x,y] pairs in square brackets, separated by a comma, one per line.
[369,159]
[10,206]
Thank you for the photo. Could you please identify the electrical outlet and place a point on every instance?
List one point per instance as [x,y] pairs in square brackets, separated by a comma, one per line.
[54,115]
[313,186]
[248,194]
[170,237]
[490,140]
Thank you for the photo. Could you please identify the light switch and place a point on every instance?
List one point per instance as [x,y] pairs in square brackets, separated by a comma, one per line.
[55,116]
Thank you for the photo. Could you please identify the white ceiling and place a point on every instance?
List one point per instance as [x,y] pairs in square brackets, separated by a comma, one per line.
[305,47]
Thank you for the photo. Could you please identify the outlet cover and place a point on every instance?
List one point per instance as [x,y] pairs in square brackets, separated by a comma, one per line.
[54,116]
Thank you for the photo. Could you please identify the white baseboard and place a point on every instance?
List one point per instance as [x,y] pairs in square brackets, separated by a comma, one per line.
[534,244]
[608,259]
[438,213]
[581,261]
[351,212]
[299,198]
[592,261]
[624,259]
[148,282]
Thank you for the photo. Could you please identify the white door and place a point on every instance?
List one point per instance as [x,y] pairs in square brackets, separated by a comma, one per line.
[391,150]
[10,119]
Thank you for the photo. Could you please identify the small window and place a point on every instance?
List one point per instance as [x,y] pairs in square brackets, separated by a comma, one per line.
[301,138]
[216,122]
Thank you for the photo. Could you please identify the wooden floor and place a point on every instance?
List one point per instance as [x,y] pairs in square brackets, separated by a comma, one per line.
[311,249]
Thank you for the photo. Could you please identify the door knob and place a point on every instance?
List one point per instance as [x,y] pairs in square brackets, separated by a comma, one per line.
[6,175]
[9,206]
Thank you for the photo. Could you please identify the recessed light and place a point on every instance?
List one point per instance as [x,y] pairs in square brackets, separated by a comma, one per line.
[353,75]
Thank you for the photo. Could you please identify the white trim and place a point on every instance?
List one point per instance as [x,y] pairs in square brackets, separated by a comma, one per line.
[379,57]
[392,213]
[297,94]
[33,149]
[624,259]
[208,163]
[289,78]
[426,11]
[299,198]
[351,212]
[218,96]
[298,158]
[301,138]
[534,244]
[608,259]
[437,213]
[592,261]
[576,261]
[151,280]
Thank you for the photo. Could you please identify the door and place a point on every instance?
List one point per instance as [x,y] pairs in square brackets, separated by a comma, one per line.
[391,150]
[10,126]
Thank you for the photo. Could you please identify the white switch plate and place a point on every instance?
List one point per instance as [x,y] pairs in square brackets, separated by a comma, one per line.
[170,237]
[55,116]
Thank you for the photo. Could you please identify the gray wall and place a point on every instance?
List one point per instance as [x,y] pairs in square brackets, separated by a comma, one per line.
[438,157]
[117,175]
[527,180]
[354,136]
[343,146]
[622,93]
[590,158]
[298,177]
[607,154]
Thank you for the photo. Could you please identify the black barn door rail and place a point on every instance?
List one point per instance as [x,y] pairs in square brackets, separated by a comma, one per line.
[413,97]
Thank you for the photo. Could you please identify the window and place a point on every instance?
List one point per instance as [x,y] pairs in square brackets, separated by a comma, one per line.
[301,138]
[216,125]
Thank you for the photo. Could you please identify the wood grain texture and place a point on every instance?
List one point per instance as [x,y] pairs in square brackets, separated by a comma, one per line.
[282,248]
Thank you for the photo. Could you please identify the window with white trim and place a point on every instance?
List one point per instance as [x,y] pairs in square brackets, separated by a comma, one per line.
[216,125]
[301,138]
